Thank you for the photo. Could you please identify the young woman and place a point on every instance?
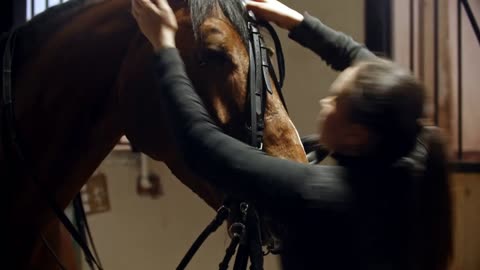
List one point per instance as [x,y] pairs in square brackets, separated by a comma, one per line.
[385,206]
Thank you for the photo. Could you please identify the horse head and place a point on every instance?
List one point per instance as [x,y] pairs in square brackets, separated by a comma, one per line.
[77,72]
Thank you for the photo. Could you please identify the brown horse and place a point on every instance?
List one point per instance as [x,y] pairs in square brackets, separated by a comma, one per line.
[77,71]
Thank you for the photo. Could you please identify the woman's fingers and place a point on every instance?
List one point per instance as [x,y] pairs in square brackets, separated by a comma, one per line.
[144,3]
[252,4]
[144,6]
[134,8]
[259,7]
[157,22]
[255,3]
[275,11]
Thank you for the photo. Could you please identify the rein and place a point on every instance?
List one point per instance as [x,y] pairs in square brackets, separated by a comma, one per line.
[11,141]
[245,232]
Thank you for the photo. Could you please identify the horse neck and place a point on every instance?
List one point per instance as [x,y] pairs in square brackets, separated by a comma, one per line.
[281,137]
[66,98]
[65,75]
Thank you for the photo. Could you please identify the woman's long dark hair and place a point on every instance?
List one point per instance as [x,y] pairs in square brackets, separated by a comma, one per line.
[436,207]
[389,101]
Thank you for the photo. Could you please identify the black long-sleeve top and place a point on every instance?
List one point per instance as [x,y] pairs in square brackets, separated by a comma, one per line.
[338,217]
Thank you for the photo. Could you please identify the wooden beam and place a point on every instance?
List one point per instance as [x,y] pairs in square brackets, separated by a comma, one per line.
[378,26]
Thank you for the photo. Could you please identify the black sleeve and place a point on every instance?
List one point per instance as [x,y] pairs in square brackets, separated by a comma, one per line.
[337,49]
[315,151]
[233,166]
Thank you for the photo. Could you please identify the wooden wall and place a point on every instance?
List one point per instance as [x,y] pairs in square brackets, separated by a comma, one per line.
[466,191]
[435,62]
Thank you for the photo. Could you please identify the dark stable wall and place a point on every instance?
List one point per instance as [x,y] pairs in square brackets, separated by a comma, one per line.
[12,13]
[378,26]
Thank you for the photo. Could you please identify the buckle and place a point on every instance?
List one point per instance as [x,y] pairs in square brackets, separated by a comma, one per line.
[244,208]
[223,210]
[237,230]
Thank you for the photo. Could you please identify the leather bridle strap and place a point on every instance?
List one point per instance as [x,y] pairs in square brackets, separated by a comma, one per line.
[8,108]
[278,53]
[256,91]
[254,239]
[229,252]
[260,72]
[278,80]
[222,215]
[251,246]
[52,252]
[7,97]
[84,228]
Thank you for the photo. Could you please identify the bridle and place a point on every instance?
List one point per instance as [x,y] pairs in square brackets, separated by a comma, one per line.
[12,144]
[261,69]
[245,231]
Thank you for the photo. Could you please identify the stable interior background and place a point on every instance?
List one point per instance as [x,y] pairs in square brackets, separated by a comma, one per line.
[140,232]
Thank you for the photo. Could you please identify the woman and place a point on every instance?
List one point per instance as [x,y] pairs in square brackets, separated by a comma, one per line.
[385,206]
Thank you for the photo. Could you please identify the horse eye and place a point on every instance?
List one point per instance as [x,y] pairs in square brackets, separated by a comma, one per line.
[208,56]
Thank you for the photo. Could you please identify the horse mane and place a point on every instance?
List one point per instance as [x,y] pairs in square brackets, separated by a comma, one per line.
[200,10]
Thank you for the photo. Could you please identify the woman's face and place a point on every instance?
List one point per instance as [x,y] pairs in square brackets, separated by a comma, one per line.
[336,130]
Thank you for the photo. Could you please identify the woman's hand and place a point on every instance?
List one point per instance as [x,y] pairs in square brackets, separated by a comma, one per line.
[156,21]
[274,11]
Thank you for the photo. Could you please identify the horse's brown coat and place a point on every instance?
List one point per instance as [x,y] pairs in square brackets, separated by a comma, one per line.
[74,89]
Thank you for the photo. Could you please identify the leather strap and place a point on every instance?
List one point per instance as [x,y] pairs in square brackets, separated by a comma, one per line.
[8,108]
[50,250]
[259,85]
[7,69]
[229,253]
[241,260]
[278,53]
[254,239]
[221,216]
[84,228]
[252,125]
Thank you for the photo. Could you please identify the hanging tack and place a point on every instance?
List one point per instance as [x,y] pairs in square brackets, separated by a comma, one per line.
[148,183]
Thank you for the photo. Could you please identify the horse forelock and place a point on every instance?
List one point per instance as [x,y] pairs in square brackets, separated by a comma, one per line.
[233,10]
